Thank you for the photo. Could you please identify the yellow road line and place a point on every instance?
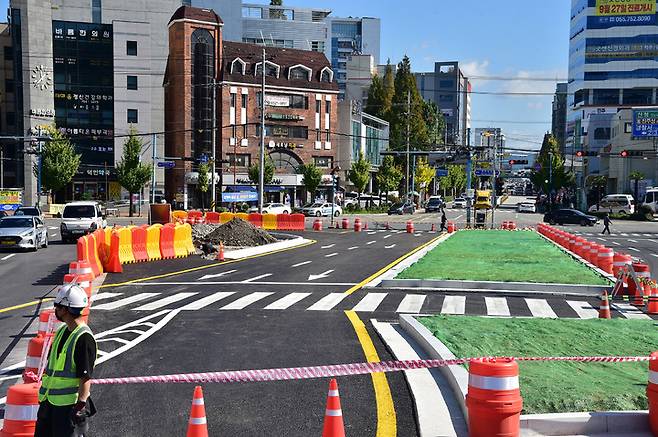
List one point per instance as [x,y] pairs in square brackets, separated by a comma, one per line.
[386,419]
[24,305]
[391,265]
[195,269]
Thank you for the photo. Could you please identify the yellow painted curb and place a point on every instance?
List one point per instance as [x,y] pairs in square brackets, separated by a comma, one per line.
[24,305]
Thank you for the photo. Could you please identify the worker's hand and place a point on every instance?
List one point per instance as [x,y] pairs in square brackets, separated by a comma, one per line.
[79,413]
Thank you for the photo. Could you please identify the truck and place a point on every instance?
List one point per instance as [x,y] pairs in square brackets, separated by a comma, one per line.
[482,199]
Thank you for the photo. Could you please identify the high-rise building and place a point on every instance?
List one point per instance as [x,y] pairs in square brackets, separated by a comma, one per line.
[559,114]
[10,165]
[449,89]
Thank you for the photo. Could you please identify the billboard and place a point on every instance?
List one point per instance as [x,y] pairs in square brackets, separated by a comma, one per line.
[609,13]
[10,200]
[645,123]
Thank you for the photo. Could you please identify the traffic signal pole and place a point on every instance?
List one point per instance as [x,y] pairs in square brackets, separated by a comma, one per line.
[469,170]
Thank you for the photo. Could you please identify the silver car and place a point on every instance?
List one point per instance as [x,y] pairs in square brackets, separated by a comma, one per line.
[23,232]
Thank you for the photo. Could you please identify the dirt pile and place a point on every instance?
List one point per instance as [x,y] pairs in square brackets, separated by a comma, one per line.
[236,233]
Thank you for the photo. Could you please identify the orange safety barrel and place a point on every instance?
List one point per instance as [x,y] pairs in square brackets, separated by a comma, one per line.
[606,259]
[84,281]
[641,271]
[43,321]
[593,253]
[451,227]
[357,225]
[620,261]
[410,227]
[33,358]
[503,226]
[21,408]
[80,267]
[572,243]
[652,394]
[585,250]
[317,225]
[578,246]
[345,223]
[494,400]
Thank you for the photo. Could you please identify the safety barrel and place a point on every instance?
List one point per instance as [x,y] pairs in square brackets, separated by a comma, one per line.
[21,408]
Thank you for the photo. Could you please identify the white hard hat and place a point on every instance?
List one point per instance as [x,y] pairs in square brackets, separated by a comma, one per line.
[71,296]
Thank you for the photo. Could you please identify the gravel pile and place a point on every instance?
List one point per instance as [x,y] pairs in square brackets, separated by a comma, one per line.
[236,233]
[200,231]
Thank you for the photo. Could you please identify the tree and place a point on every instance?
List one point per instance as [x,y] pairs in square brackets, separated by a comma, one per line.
[455,181]
[434,122]
[254,172]
[276,2]
[636,177]
[389,175]
[597,182]
[359,175]
[59,162]
[131,173]
[405,85]
[311,177]
[203,181]
[424,174]
[552,175]
[376,98]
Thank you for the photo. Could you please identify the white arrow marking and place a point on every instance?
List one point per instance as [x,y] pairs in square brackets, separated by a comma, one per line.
[389,247]
[216,275]
[321,275]
[328,247]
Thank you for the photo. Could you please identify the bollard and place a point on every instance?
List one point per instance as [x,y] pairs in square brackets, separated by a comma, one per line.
[451,227]
[345,223]
[410,227]
[20,416]
[652,394]
[503,226]
[494,400]
[317,225]
[605,259]
[357,225]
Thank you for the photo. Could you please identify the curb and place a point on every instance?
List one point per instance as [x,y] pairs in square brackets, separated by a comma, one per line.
[259,250]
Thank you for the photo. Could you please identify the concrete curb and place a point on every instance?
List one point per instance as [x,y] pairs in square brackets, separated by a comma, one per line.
[259,250]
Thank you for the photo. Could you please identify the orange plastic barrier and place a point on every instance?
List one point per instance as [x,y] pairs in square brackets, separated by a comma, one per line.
[494,400]
[126,255]
[180,246]
[20,416]
[153,242]
[605,259]
[81,248]
[256,219]
[194,216]
[619,261]
[212,218]
[114,260]
[179,216]
[652,395]
[283,222]
[298,222]
[92,255]
[189,243]
[242,215]
[139,244]
[226,217]
[167,242]
[269,222]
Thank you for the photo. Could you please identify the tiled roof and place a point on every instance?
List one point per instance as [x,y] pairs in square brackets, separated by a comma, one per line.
[199,14]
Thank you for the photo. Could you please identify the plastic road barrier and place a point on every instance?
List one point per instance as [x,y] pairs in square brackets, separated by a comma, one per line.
[139,244]
[226,217]
[167,250]
[125,246]
[114,261]
[193,215]
[283,222]
[153,242]
[494,400]
[20,416]
[179,216]
[189,243]
[92,255]
[256,219]
[81,249]
[242,215]
[270,222]
[180,246]
[298,222]
[212,218]
[605,259]
[652,394]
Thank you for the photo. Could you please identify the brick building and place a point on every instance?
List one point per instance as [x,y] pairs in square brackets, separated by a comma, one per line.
[300,109]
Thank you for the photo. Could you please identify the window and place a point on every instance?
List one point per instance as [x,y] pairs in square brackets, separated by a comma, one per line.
[446,98]
[317,46]
[238,66]
[131,82]
[327,107]
[628,128]
[283,131]
[323,161]
[96,11]
[9,85]
[318,106]
[233,97]
[239,159]
[326,75]
[131,48]
[252,12]
[446,84]
[317,16]
[606,96]
[9,53]
[281,14]
[446,69]
[602,133]
[638,96]
[271,69]
[245,130]
[11,118]
[132,116]
[270,42]
[244,101]
[299,73]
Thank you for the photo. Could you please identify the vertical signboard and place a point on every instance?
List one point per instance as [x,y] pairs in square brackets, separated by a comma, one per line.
[645,123]
[609,13]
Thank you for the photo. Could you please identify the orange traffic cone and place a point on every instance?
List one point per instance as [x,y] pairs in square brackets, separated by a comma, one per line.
[333,416]
[604,309]
[652,307]
[220,254]
[197,426]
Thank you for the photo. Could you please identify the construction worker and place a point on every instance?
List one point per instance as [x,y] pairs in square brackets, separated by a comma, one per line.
[64,402]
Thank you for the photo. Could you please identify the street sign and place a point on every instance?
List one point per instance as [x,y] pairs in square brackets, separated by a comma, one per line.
[166,164]
[486,172]
[537,166]
[440,172]
[203,159]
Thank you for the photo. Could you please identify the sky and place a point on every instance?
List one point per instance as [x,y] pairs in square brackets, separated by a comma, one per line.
[512,39]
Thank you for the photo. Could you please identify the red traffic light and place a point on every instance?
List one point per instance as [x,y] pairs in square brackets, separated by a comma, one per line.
[511,162]
[579,153]
[624,153]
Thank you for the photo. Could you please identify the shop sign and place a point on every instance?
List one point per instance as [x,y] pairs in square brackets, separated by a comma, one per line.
[40,112]
[284,117]
[241,196]
[10,199]
[277,100]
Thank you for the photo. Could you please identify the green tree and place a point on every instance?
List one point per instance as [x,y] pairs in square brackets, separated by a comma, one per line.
[376,98]
[599,182]
[424,174]
[254,172]
[311,177]
[276,2]
[405,85]
[359,175]
[59,162]
[131,173]
[636,177]
[389,87]
[434,122]
[455,181]
[552,175]
[203,181]
[389,175]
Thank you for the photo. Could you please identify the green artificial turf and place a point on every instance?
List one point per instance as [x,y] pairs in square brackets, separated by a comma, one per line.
[553,387]
[501,256]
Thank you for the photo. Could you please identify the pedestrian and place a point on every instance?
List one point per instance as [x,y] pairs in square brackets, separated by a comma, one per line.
[286,199]
[64,402]
[606,223]
[443,220]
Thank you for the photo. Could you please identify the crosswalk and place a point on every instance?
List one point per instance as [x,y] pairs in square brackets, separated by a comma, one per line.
[380,301]
[613,234]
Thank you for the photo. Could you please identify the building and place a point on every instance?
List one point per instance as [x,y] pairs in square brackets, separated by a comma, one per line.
[300,109]
[368,136]
[559,115]
[612,64]
[450,90]
[11,168]
[312,29]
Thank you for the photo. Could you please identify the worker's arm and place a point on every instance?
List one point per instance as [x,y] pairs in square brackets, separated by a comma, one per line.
[84,390]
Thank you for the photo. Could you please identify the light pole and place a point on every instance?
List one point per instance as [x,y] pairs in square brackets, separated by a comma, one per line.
[261,154]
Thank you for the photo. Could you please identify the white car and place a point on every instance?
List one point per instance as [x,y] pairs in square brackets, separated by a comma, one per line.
[459,202]
[272,208]
[80,218]
[526,207]
[322,209]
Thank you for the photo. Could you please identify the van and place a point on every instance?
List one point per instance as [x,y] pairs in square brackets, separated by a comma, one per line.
[80,218]
[651,200]
[615,204]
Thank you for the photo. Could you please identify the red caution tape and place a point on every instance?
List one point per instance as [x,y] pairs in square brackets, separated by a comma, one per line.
[285,374]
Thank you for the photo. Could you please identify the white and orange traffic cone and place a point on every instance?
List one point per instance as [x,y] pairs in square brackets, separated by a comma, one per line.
[652,306]
[220,253]
[604,309]
[333,416]
[197,426]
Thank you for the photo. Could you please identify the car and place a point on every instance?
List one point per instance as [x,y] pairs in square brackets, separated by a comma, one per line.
[80,218]
[402,208]
[23,232]
[569,216]
[3,214]
[526,207]
[435,203]
[459,202]
[615,204]
[272,208]
[33,211]
[322,209]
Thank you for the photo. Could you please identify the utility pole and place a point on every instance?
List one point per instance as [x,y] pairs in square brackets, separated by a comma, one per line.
[153,155]
[40,151]
[261,166]
[213,189]
[469,170]
[408,117]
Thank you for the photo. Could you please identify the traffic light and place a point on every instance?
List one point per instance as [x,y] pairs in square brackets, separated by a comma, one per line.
[518,162]
[623,153]
[582,153]
[628,153]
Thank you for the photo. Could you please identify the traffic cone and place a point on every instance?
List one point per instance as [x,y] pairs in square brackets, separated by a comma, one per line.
[604,309]
[220,254]
[365,226]
[652,307]
[197,426]
[433,228]
[333,416]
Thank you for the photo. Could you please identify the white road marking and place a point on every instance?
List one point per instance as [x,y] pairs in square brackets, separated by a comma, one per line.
[540,308]
[635,235]
[387,236]
[615,243]
[328,247]
[101,296]
[370,302]
[256,278]
[247,300]
[125,301]
[217,275]
[454,305]
[370,242]
[601,239]
[632,241]
[372,233]
[412,303]
[52,228]
[8,256]
[327,302]
[287,301]
[390,247]
[353,247]
[349,284]
[583,309]
[653,254]
[647,235]
[205,301]
[624,235]
[416,235]
[629,311]
[497,306]
[301,264]
[331,254]
[320,276]
[160,303]
[52,235]
[633,249]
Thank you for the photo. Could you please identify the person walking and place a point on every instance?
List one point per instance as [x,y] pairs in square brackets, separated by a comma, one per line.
[444,219]
[64,395]
[606,223]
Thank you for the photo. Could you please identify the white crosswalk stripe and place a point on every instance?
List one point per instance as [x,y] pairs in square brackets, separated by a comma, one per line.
[583,309]
[629,311]
[208,300]
[101,296]
[412,303]
[247,300]
[454,305]
[327,302]
[496,306]
[287,301]
[164,302]
[370,302]
[540,308]
[125,301]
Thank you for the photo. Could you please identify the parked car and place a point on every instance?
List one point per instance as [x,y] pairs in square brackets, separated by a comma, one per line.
[322,209]
[80,218]
[459,202]
[272,208]
[3,214]
[526,207]
[402,208]
[650,201]
[615,204]
[434,204]
[567,216]
[23,232]
[32,211]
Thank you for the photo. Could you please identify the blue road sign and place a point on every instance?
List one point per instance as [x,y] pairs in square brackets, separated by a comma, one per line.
[167,164]
[537,166]
[486,172]
[203,159]
[440,172]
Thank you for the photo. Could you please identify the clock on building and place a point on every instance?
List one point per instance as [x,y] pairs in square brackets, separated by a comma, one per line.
[41,79]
